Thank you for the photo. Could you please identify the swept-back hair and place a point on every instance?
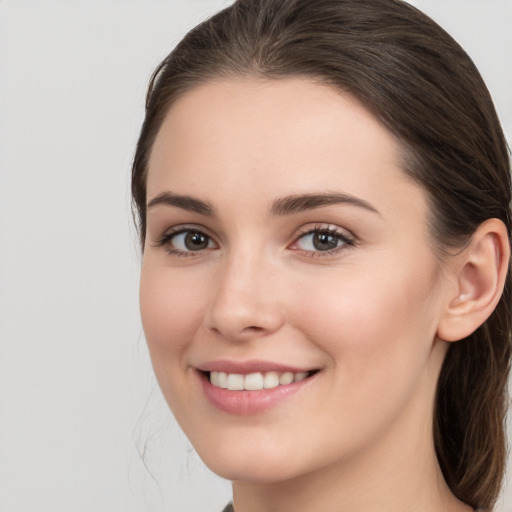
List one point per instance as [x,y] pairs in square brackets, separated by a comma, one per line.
[426,91]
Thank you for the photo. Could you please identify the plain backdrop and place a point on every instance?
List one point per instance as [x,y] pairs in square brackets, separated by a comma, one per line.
[82,425]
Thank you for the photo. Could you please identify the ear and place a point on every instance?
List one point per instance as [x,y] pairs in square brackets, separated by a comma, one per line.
[480,271]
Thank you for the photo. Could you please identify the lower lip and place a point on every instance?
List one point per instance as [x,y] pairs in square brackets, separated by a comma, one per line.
[246,403]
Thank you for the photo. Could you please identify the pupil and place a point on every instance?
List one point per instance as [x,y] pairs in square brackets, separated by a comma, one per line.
[196,241]
[324,241]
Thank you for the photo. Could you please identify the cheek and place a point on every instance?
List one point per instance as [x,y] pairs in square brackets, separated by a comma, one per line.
[377,331]
[368,319]
[171,310]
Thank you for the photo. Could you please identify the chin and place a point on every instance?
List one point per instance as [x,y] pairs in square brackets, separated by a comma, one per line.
[257,472]
[262,467]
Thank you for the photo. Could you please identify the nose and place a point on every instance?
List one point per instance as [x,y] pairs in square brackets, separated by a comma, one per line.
[245,302]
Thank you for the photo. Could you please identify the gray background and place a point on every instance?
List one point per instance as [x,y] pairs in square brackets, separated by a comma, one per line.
[77,396]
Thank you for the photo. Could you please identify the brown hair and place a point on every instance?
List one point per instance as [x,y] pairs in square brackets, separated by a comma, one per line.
[424,88]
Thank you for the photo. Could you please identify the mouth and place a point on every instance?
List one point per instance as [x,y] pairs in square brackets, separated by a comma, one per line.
[251,387]
[255,381]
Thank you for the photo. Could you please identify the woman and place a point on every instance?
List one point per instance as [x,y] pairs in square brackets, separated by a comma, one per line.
[323,189]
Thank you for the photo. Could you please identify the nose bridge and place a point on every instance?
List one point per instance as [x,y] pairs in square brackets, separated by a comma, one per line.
[245,303]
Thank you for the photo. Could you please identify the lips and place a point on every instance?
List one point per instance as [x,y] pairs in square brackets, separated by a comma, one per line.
[251,387]
[252,366]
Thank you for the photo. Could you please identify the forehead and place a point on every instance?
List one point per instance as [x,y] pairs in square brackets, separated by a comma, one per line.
[246,137]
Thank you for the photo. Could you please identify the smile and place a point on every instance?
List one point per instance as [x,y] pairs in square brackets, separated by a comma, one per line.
[240,389]
[255,381]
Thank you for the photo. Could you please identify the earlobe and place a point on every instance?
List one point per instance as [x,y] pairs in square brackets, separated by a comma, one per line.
[480,269]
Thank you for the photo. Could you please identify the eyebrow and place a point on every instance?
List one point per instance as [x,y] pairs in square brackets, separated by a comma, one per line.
[303,202]
[188,203]
[280,207]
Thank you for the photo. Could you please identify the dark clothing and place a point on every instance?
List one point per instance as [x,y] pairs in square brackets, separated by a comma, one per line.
[229,508]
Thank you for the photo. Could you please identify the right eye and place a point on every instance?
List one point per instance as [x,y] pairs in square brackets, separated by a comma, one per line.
[185,242]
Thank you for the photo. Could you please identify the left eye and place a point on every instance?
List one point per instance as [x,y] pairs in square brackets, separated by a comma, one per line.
[322,240]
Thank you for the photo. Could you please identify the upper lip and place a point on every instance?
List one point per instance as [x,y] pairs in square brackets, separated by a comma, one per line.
[246,367]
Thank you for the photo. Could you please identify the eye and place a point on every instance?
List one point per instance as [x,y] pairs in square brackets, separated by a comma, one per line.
[186,241]
[323,239]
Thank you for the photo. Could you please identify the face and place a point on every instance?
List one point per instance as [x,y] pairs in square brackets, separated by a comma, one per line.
[288,260]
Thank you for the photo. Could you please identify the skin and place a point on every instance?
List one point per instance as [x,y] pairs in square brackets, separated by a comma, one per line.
[359,436]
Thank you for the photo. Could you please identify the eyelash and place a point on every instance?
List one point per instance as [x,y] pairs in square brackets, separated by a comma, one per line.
[347,241]
[165,241]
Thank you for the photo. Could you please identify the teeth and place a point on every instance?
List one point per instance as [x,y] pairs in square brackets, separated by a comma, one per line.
[235,382]
[214,378]
[300,376]
[271,380]
[286,378]
[223,380]
[254,381]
